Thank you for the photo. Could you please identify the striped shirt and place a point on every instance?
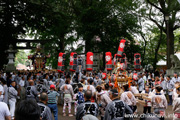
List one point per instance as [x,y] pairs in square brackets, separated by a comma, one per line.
[52,97]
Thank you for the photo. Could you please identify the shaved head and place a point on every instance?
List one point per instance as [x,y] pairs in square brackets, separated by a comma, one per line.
[31,82]
[43,96]
[88,94]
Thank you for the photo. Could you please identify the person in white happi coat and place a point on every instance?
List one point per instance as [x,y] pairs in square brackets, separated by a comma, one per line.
[117,109]
[128,98]
[147,93]
[176,105]
[97,81]
[88,107]
[140,83]
[170,87]
[12,95]
[175,94]
[102,100]
[68,94]
[154,91]
[1,92]
[106,89]
[90,86]
[159,103]
[133,88]
[164,86]
[4,83]
[4,112]
[59,83]
[46,77]
[144,78]
[22,88]
[175,78]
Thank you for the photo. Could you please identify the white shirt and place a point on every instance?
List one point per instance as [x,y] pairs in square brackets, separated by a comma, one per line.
[106,92]
[144,78]
[134,90]
[176,106]
[91,88]
[13,77]
[149,96]
[2,92]
[4,111]
[126,99]
[174,95]
[21,83]
[175,79]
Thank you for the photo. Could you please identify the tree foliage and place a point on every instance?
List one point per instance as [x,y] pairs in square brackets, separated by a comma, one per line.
[21,58]
[156,43]
[99,24]
[86,20]
[16,16]
[158,11]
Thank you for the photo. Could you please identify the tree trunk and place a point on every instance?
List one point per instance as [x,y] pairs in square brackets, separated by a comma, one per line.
[87,45]
[157,49]
[170,46]
[156,52]
[144,52]
[104,61]
[61,44]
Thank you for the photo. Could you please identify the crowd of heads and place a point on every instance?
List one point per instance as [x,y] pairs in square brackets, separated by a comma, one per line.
[90,84]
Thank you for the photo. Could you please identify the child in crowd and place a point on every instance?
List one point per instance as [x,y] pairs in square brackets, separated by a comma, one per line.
[147,107]
[157,81]
[78,97]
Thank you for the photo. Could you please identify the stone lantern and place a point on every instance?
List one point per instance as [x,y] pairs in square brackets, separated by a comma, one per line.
[10,66]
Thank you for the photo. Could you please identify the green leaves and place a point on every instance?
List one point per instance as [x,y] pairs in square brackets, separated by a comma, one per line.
[67,21]
[21,58]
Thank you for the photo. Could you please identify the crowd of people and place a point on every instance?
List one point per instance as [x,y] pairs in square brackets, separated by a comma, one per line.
[35,95]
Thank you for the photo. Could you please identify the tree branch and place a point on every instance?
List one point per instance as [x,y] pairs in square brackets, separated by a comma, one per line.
[162,4]
[155,6]
[176,27]
[159,26]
